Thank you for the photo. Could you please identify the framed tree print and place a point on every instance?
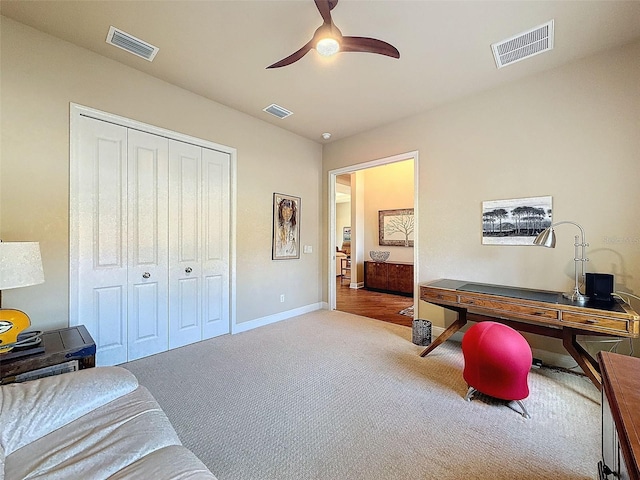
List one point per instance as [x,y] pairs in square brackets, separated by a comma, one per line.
[395,227]
[515,221]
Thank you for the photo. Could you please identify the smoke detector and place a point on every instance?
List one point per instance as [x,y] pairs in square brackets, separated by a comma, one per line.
[131,44]
[277,111]
[524,45]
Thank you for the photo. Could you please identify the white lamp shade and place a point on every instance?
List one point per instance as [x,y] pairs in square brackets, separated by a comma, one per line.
[20,264]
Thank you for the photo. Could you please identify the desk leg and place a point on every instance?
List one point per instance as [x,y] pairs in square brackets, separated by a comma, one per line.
[444,336]
[588,364]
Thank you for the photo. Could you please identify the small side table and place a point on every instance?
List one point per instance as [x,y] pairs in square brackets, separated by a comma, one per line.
[345,269]
[65,350]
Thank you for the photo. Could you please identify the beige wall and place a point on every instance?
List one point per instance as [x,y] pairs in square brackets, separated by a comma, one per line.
[42,75]
[387,187]
[572,132]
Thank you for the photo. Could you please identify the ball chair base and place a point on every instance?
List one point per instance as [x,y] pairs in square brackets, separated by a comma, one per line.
[472,391]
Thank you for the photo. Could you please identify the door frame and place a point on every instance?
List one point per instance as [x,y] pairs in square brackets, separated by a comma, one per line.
[76,112]
[332,176]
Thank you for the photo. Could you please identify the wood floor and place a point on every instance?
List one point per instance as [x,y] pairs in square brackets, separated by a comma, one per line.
[381,306]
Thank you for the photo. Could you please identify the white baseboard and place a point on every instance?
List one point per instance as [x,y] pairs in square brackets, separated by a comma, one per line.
[276,317]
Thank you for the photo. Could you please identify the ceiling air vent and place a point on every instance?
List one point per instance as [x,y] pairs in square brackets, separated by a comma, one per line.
[524,45]
[131,44]
[277,110]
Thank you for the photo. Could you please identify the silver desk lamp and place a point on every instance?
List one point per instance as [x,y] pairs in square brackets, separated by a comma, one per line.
[547,238]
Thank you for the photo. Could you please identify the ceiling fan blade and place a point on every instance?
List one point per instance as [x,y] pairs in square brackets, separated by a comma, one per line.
[325,7]
[369,45]
[294,57]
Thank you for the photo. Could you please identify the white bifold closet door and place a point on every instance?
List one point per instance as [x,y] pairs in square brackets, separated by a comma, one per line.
[198,279]
[153,241]
[147,244]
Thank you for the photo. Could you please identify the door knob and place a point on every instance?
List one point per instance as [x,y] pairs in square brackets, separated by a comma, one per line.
[188,270]
[146,275]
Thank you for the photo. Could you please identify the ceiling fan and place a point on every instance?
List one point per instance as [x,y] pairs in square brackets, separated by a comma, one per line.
[328,40]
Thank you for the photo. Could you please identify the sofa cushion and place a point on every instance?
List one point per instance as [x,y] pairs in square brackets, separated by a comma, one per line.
[31,410]
[174,462]
[98,444]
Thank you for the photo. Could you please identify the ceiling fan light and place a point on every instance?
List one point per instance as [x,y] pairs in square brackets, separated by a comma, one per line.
[327,47]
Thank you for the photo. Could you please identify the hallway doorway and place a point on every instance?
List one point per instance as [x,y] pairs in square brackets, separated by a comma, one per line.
[379,186]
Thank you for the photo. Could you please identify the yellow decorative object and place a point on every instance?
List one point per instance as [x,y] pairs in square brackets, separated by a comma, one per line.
[12,322]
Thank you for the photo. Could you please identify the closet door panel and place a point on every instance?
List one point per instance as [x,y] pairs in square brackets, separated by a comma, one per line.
[110,319]
[214,313]
[148,244]
[185,239]
[215,265]
[101,195]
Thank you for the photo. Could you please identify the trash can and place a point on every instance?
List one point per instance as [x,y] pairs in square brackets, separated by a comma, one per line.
[421,334]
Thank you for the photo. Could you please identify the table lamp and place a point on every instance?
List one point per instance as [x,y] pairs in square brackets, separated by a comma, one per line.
[20,266]
[547,238]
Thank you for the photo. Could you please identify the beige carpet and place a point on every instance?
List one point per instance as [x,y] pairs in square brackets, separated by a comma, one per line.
[330,395]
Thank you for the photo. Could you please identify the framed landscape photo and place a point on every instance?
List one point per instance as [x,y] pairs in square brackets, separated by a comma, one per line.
[286,227]
[346,234]
[395,227]
[515,221]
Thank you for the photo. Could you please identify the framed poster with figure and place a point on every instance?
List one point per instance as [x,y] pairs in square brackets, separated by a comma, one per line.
[286,227]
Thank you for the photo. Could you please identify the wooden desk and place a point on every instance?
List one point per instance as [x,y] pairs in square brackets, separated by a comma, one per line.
[533,311]
[620,417]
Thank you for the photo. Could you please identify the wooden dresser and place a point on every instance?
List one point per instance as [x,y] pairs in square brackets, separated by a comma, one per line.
[390,277]
[620,417]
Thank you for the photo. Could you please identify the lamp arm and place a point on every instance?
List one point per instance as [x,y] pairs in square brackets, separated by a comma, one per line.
[578,257]
[582,244]
[572,223]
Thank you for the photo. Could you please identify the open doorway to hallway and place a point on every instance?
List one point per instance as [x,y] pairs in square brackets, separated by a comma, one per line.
[360,196]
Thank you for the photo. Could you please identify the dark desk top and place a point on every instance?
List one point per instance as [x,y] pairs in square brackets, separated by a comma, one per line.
[545,296]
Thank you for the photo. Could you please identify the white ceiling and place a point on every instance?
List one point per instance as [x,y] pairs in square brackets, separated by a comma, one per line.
[219,50]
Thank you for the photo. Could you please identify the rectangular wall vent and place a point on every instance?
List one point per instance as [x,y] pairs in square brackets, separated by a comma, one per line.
[277,110]
[523,45]
[131,44]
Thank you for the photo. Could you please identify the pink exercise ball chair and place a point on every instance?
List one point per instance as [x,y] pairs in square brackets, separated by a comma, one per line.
[497,360]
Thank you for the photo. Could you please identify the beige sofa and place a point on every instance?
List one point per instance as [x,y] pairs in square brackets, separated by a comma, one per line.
[96,423]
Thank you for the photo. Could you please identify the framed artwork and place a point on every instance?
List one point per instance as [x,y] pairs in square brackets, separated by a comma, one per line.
[395,227]
[516,221]
[346,234]
[286,227]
